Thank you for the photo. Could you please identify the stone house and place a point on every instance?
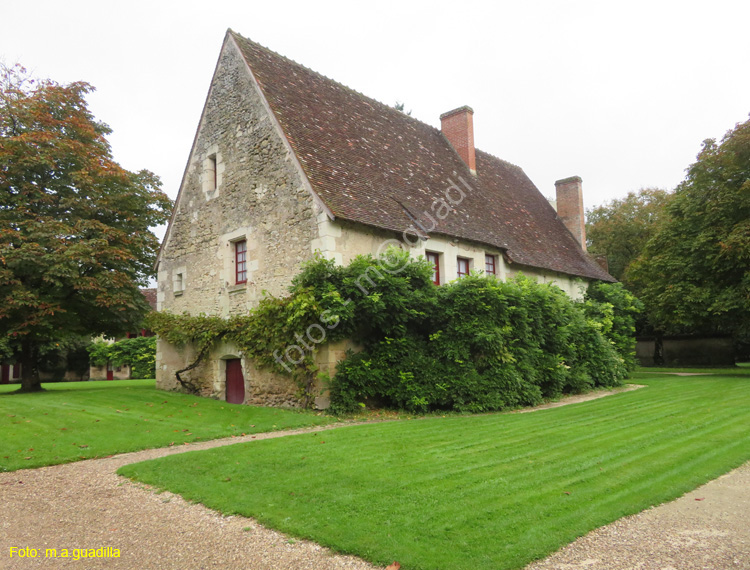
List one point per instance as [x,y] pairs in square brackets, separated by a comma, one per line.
[286,163]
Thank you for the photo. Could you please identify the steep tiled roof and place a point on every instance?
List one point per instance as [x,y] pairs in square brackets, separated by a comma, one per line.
[375,165]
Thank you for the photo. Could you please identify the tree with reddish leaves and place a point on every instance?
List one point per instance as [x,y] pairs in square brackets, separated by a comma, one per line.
[75,238]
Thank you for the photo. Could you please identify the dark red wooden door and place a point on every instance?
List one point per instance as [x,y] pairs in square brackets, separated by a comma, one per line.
[110,372]
[5,375]
[235,382]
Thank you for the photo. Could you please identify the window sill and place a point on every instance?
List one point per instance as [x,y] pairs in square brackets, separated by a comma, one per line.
[236,288]
[178,293]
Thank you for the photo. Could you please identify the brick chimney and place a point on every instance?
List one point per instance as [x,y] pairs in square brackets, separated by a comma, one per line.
[570,207]
[458,127]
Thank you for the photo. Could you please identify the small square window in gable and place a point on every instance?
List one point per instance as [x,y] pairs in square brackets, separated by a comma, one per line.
[211,175]
[178,282]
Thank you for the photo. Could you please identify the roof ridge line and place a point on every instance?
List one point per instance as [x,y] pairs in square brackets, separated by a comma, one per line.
[500,159]
[319,74]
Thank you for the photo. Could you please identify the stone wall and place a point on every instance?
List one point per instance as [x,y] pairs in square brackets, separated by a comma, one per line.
[241,183]
[681,351]
[263,387]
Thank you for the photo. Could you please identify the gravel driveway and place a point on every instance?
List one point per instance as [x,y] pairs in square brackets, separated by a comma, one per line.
[86,505]
[706,529]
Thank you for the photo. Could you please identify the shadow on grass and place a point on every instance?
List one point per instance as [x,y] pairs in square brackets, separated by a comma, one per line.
[89,385]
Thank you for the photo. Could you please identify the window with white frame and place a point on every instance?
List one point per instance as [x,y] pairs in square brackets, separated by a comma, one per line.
[434,259]
[464,266]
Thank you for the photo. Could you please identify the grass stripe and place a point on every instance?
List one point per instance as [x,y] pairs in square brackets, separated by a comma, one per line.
[492,491]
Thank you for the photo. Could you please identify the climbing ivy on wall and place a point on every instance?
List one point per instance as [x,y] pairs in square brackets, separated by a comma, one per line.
[475,344]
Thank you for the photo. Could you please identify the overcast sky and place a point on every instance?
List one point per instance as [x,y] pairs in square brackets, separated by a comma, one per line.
[619,93]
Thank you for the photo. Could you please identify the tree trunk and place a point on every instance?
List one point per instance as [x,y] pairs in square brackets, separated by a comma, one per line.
[659,350]
[29,370]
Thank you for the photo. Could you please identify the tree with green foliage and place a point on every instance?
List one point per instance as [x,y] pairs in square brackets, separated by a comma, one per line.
[66,355]
[621,228]
[138,352]
[75,238]
[617,310]
[694,274]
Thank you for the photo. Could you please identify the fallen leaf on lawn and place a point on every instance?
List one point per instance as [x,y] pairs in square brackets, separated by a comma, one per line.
[394,566]
[27,457]
[566,492]
[82,446]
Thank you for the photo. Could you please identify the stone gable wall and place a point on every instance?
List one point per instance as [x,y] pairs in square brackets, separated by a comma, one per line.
[241,183]
[260,197]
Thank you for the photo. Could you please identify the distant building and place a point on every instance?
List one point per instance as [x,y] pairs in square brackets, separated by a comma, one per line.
[111,372]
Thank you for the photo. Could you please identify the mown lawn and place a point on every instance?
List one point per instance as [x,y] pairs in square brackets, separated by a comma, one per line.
[80,420]
[481,492]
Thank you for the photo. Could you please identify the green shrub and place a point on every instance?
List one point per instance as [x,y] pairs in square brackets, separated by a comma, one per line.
[617,309]
[487,345]
[478,344]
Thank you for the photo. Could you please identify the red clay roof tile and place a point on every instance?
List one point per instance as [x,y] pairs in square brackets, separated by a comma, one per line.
[375,165]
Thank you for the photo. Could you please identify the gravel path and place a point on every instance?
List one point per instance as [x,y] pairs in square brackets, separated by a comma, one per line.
[706,529]
[86,505]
